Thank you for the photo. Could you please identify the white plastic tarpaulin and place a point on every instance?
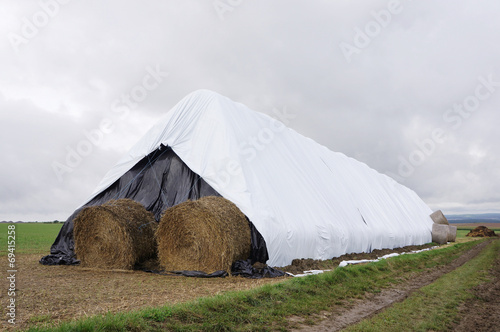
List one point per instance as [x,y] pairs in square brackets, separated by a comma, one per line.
[305,200]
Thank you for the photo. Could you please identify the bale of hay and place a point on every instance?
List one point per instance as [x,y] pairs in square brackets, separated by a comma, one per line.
[116,235]
[440,233]
[481,231]
[452,233]
[204,235]
[439,218]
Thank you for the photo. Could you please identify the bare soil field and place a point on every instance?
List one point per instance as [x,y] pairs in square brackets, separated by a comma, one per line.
[55,293]
[490,225]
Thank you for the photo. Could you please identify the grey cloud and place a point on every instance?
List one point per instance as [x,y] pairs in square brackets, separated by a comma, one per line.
[265,55]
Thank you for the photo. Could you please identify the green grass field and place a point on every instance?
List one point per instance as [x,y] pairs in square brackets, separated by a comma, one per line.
[462,231]
[31,238]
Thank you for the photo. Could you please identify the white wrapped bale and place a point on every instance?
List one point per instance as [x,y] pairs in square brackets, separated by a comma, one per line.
[439,218]
[440,233]
[452,233]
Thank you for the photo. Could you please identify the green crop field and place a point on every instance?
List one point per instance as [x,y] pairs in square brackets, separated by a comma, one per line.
[31,238]
[462,232]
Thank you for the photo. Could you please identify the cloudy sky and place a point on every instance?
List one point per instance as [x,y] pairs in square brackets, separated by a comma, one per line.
[411,88]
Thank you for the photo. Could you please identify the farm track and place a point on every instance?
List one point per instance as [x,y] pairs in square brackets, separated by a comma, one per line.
[482,313]
[357,310]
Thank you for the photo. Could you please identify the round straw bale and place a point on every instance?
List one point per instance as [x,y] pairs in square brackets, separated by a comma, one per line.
[205,235]
[116,235]
[440,233]
[439,218]
[452,233]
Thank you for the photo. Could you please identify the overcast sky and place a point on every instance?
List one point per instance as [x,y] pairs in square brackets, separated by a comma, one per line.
[411,88]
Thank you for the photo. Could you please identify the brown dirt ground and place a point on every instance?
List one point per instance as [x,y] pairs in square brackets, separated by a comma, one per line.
[56,293]
[357,310]
[481,231]
[301,265]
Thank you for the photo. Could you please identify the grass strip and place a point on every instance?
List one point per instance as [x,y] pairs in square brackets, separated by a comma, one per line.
[269,307]
[435,307]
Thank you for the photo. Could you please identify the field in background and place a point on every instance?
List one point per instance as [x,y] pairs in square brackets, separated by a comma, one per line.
[491,225]
[31,238]
[463,229]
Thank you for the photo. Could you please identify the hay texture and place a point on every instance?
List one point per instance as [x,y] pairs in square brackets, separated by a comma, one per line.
[439,218]
[205,235]
[481,231]
[116,235]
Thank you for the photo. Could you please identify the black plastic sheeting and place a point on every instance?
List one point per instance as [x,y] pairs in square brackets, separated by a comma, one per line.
[241,268]
[245,269]
[193,274]
[159,181]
